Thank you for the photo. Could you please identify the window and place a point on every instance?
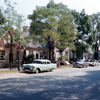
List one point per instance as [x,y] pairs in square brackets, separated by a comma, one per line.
[48,63]
[36,56]
[30,52]
[37,62]
[44,62]
[2,55]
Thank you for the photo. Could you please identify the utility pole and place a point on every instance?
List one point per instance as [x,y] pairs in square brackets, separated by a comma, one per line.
[19,67]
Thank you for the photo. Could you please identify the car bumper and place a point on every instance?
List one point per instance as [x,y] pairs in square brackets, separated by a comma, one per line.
[78,65]
[28,70]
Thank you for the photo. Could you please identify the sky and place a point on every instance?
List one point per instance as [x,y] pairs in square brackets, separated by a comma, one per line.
[26,7]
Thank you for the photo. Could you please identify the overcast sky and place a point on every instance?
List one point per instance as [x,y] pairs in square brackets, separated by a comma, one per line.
[26,7]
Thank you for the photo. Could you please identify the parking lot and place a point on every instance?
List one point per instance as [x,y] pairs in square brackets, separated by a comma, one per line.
[61,84]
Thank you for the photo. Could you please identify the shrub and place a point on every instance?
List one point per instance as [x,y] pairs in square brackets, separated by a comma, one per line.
[29,58]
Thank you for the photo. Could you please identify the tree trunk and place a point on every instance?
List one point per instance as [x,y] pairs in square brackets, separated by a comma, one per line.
[96,52]
[51,47]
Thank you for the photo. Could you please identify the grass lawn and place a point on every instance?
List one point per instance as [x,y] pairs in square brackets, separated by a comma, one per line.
[9,71]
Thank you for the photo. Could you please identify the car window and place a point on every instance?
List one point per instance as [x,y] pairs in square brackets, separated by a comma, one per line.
[37,62]
[44,62]
[80,60]
[48,62]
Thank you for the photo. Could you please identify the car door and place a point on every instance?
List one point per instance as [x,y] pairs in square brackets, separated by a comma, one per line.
[49,65]
[43,66]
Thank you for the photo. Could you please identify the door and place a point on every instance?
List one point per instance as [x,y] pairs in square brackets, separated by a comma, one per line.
[43,66]
[11,58]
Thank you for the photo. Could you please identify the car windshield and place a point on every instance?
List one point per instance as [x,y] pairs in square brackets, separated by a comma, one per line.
[37,62]
[80,60]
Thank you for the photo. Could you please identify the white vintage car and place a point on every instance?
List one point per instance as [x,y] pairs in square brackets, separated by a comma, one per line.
[39,66]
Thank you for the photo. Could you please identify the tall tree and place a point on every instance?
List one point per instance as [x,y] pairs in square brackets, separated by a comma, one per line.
[84,29]
[13,18]
[94,37]
[54,23]
[2,21]
[14,21]
[2,18]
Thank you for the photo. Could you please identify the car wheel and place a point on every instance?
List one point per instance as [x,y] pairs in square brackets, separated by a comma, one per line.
[80,66]
[25,71]
[37,71]
[51,70]
[86,65]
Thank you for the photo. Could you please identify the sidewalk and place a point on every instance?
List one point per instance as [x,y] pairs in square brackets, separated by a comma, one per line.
[7,69]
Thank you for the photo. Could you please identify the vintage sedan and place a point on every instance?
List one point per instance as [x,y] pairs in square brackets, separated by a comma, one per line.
[39,66]
[80,63]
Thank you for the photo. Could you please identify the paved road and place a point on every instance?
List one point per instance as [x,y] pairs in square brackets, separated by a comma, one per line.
[61,84]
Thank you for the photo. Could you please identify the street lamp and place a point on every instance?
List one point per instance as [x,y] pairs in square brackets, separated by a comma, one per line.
[19,40]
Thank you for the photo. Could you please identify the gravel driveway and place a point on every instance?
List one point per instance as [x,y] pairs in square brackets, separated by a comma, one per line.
[61,84]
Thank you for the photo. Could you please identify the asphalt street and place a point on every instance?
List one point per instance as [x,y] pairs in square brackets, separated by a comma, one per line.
[61,84]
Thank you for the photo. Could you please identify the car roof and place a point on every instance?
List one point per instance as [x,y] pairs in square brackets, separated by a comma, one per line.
[41,60]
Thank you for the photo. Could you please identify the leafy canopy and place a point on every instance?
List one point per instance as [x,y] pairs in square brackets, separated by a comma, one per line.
[54,21]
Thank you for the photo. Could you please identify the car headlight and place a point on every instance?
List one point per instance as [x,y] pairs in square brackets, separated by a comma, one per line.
[32,67]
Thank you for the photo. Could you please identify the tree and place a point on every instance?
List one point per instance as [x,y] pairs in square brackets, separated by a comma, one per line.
[12,25]
[13,20]
[83,23]
[2,18]
[2,21]
[95,34]
[54,23]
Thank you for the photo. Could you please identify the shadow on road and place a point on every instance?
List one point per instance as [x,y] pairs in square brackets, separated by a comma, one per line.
[51,87]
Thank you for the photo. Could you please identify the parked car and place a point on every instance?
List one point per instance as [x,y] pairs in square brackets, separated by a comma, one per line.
[39,66]
[93,63]
[80,63]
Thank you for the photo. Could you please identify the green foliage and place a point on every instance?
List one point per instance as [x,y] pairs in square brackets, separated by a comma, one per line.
[29,58]
[2,18]
[12,21]
[94,37]
[83,22]
[55,22]
[81,48]
[84,29]
[2,21]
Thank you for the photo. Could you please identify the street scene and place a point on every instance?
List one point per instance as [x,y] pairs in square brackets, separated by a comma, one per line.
[61,84]
[49,50]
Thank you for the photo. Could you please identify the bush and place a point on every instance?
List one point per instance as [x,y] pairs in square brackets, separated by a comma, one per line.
[29,58]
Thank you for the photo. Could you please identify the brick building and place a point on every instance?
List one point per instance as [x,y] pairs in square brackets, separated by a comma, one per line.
[35,48]
[5,48]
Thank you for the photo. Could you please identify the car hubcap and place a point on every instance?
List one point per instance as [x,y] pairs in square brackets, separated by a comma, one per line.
[37,71]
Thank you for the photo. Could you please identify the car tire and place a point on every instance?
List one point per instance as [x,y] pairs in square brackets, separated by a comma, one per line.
[25,71]
[51,70]
[82,66]
[37,71]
